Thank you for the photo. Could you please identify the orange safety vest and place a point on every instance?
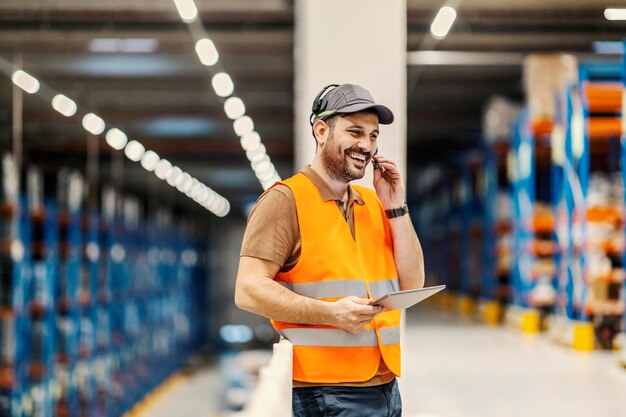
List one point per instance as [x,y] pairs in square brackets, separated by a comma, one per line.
[332,266]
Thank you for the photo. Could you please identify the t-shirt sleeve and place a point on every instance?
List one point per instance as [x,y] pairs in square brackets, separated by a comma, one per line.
[270,233]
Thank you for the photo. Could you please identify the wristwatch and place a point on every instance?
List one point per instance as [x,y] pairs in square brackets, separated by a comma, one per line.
[397,212]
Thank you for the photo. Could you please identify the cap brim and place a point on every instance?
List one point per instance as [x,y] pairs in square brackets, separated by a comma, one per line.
[385,116]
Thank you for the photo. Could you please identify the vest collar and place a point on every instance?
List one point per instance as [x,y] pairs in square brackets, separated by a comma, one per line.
[326,192]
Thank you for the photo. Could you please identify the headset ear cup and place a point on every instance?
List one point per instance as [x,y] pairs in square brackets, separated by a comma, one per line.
[320,103]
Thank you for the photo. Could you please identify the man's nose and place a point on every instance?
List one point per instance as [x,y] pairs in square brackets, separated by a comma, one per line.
[365,147]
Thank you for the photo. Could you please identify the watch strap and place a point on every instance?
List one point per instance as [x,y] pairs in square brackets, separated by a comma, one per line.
[397,212]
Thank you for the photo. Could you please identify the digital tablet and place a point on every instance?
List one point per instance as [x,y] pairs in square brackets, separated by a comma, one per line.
[405,299]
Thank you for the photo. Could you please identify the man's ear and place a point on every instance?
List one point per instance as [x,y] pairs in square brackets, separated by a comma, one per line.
[321,131]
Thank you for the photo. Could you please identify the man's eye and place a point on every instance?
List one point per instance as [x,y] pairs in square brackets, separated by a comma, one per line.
[355,132]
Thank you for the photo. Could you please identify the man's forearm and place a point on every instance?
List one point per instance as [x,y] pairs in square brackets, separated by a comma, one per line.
[407,252]
[270,299]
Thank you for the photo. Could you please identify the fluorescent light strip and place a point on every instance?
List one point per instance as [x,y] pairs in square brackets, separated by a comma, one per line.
[116,139]
[149,160]
[443,22]
[609,48]
[187,10]
[206,52]
[128,46]
[615,14]
[25,81]
[134,150]
[66,106]
[93,124]
[224,87]
[234,108]
[222,84]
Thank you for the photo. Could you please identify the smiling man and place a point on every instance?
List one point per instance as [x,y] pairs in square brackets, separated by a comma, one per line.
[317,250]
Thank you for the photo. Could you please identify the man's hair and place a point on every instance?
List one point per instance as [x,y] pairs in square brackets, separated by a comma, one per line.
[332,120]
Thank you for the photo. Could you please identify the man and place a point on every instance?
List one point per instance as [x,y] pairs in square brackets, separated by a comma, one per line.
[317,251]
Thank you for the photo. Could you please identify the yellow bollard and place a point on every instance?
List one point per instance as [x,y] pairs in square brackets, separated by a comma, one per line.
[466,306]
[448,301]
[584,338]
[530,322]
[491,313]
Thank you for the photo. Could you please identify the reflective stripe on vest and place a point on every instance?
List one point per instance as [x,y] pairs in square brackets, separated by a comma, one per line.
[336,337]
[329,289]
[389,335]
[343,288]
[380,288]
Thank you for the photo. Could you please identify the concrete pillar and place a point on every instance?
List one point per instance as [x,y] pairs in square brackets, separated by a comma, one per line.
[351,41]
[359,42]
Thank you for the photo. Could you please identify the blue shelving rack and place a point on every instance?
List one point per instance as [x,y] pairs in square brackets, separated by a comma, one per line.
[497,253]
[535,259]
[592,296]
[41,234]
[70,296]
[13,316]
[623,164]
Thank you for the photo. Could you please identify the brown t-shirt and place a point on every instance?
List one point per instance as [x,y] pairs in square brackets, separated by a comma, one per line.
[273,234]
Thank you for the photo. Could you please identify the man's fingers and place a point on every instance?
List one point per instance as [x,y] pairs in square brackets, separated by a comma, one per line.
[359,300]
[383,160]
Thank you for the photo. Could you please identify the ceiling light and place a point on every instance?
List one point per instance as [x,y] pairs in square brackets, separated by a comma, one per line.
[615,14]
[64,105]
[606,47]
[222,84]
[210,198]
[187,10]
[188,184]
[267,184]
[256,163]
[224,208]
[243,126]
[261,167]
[116,139]
[149,160]
[196,189]
[129,46]
[257,154]
[250,140]
[163,169]
[25,81]
[139,46]
[205,48]
[93,124]
[234,108]
[194,184]
[134,150]
[443,22]
[218,205]
[266,175]
[183,182]
[174,175]
[203,195]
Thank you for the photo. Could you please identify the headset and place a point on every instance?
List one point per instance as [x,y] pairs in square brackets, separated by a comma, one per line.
[320,103]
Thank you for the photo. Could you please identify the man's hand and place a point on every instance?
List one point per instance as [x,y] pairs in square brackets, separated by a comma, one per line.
[388,183]
[352,313]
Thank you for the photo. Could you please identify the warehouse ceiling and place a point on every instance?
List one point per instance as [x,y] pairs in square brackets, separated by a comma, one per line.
[164,97]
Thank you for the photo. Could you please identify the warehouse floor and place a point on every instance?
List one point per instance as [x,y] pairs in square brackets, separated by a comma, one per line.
[456,368]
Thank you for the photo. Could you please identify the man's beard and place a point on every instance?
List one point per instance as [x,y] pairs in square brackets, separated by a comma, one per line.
[337,164]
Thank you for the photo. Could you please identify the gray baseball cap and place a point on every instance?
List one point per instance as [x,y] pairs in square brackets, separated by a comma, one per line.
[347,98]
